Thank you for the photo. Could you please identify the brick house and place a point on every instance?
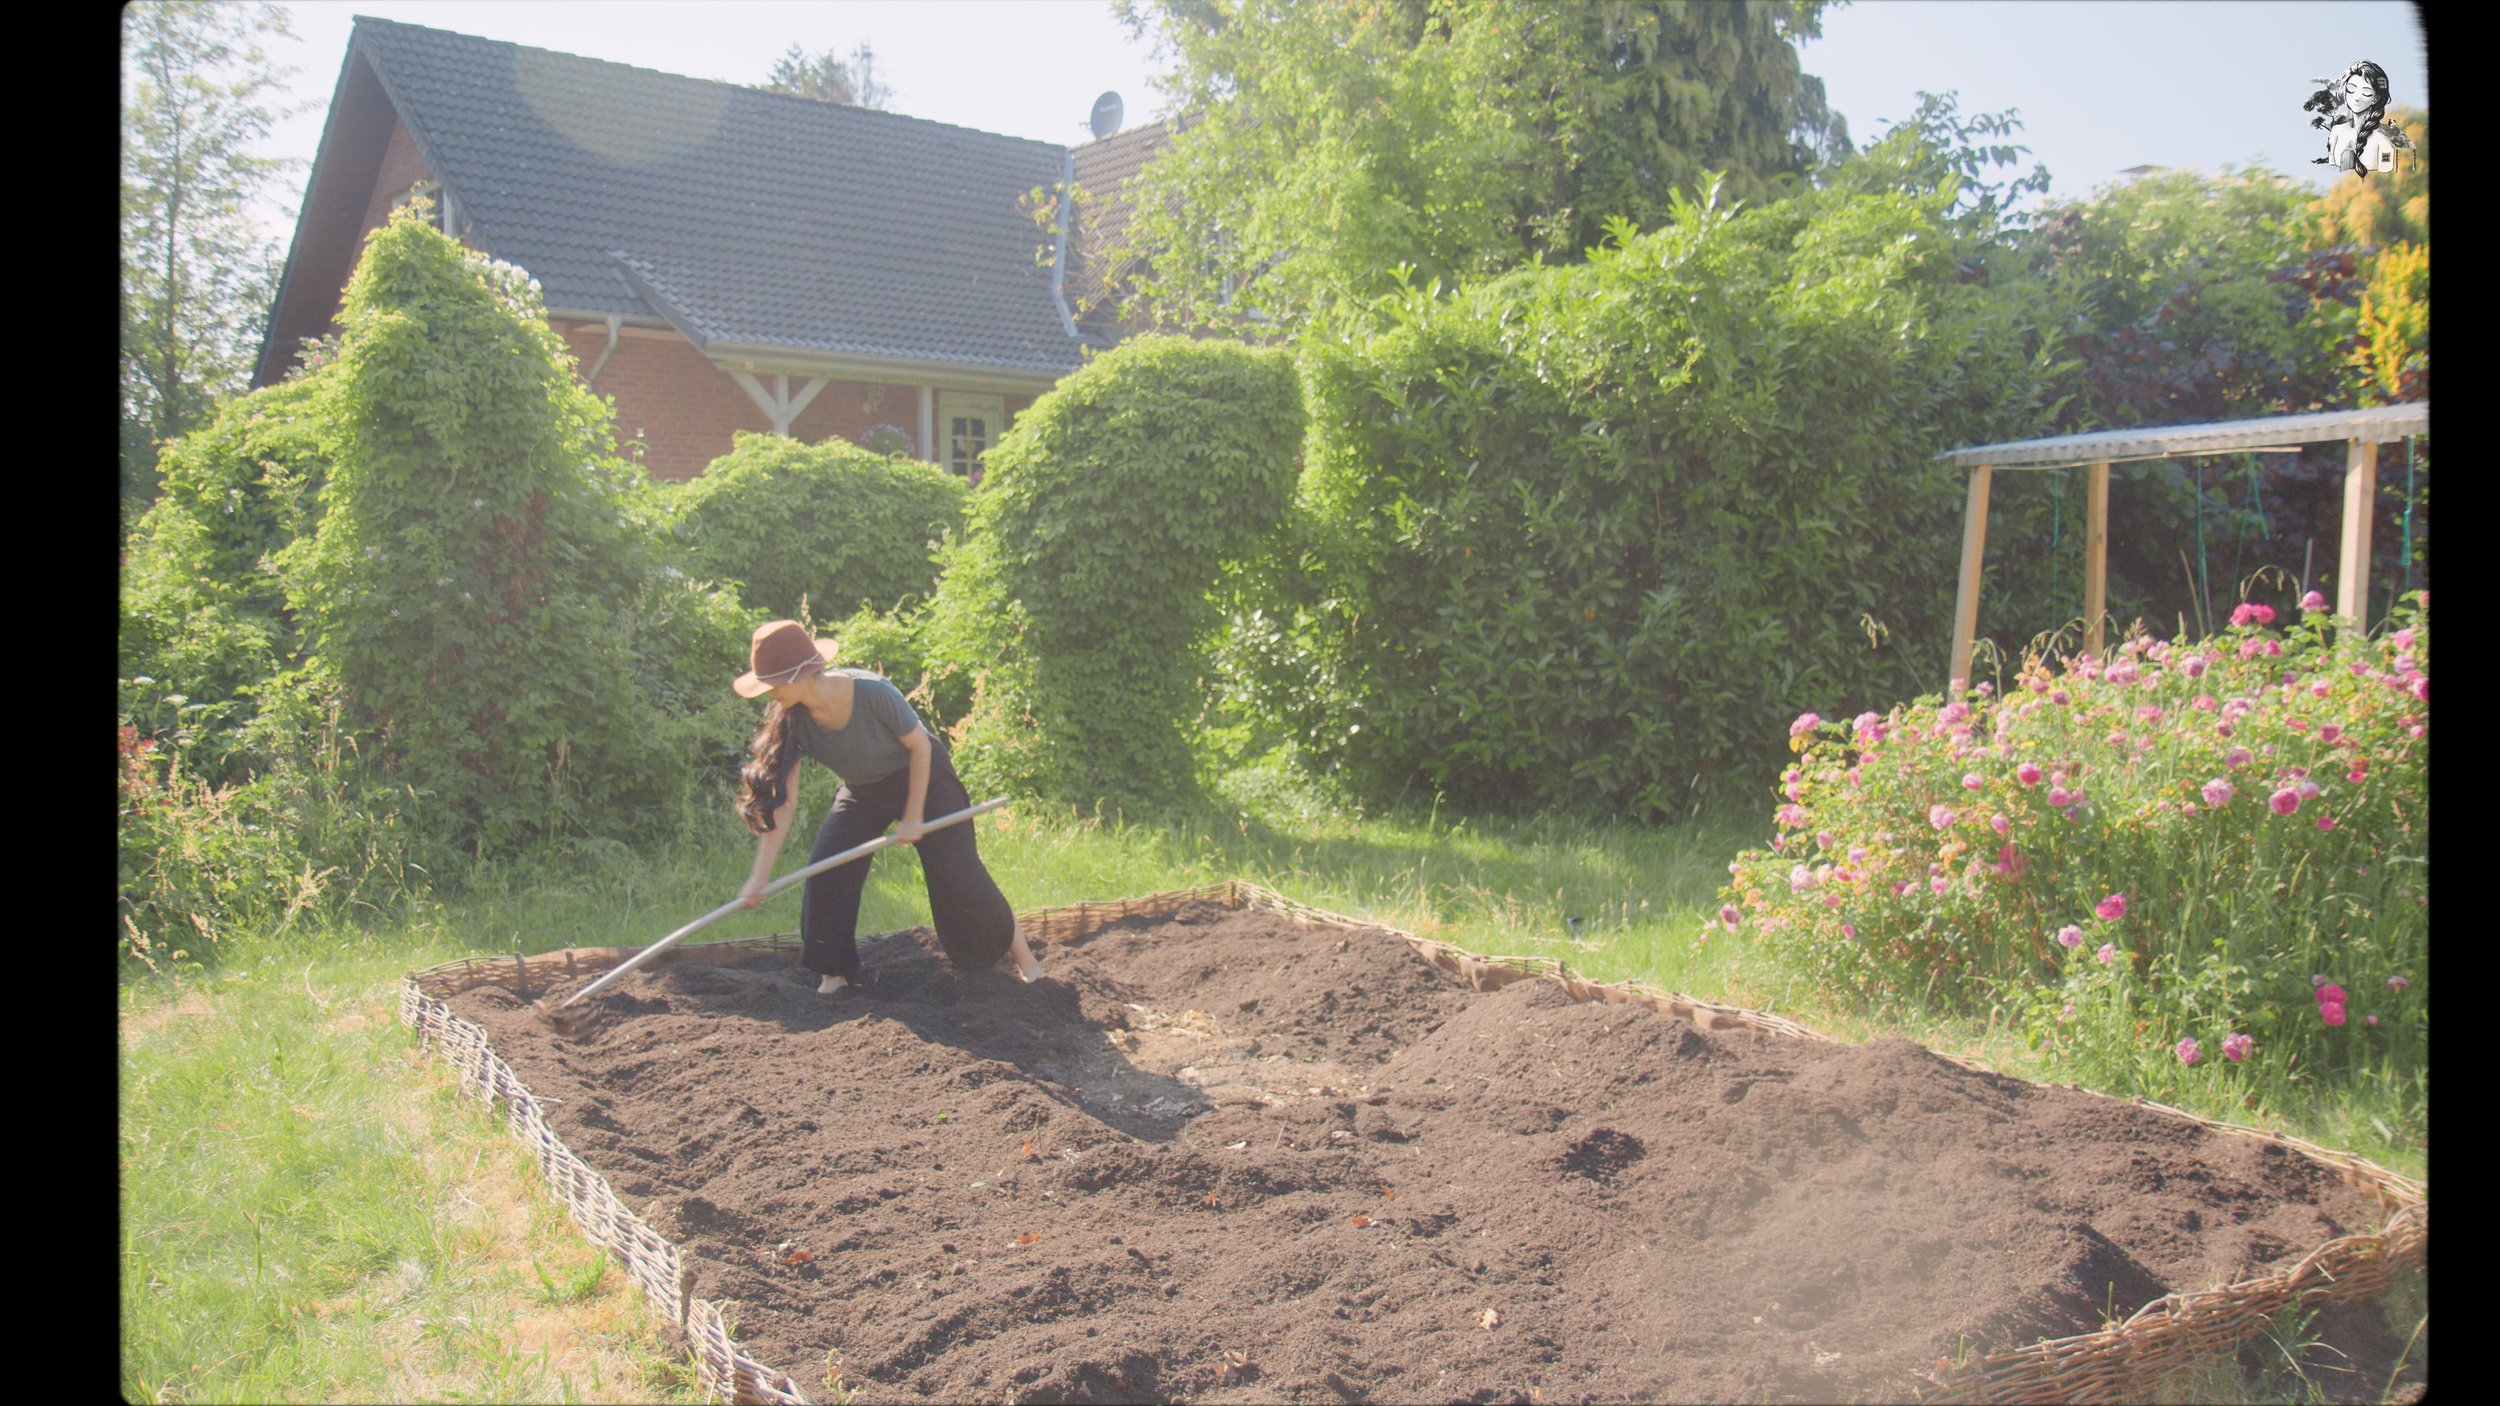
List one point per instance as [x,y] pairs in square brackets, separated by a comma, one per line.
[721,258]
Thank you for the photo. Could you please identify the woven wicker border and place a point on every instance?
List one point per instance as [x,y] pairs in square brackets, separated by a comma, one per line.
[2119,1363]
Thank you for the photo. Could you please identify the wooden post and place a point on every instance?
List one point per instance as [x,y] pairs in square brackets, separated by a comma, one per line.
[1966,601]
[2352,569]
[2095,554]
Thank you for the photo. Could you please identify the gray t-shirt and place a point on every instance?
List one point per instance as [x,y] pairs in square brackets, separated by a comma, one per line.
[869,747]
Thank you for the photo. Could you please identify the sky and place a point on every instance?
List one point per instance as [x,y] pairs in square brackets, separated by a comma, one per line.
[2099,86]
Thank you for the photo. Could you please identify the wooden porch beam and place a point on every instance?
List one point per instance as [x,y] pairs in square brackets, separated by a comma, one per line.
[2095,554]
[1966,600]
[2352,568]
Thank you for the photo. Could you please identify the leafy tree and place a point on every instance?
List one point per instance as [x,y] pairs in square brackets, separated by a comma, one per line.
[203,615]
[828,77]
[198,91]
[1329,142]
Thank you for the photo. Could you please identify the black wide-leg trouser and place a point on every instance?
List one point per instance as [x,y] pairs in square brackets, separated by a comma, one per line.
[974,923]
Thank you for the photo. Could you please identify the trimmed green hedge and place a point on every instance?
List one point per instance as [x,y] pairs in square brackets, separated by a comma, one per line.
[1080,600]
[1586,538]
[829,524]
[479,592]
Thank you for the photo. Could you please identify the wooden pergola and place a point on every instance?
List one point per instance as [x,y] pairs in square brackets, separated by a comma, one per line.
[2363,431]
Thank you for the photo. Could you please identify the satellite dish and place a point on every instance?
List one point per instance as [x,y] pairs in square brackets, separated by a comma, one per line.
[1107,114]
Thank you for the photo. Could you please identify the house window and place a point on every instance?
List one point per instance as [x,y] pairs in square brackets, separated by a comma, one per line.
[967,426]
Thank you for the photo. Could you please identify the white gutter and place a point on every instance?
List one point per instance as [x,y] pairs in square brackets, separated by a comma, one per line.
[1059,260]
[616,328]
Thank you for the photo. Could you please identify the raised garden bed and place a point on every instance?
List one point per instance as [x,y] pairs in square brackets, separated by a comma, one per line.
[1237,1150]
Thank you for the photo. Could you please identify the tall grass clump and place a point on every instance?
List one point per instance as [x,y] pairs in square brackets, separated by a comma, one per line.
[2176,863]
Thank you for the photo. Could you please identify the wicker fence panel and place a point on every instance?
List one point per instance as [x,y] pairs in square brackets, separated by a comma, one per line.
[648,1256]
[2122,1362]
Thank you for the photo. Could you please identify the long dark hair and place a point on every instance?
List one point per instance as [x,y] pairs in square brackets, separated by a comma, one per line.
[2376,113]
[772,765]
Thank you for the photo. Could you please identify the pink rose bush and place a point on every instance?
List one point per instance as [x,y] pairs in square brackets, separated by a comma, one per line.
[2233,813]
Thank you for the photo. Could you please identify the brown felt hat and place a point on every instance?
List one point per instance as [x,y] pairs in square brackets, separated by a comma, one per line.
[780,653]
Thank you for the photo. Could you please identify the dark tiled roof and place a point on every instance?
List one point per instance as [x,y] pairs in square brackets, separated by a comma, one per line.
[746,217]
[1102,259]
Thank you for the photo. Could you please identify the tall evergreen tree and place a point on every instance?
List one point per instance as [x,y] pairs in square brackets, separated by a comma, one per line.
[198,93]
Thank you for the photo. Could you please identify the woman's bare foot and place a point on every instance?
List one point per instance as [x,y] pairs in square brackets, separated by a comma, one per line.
[1026,966]
[830,985]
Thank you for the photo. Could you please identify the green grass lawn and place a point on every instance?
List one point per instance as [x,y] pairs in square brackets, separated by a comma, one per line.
[311,1212]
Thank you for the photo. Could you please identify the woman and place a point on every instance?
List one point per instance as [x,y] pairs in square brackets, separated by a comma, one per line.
[2352,110]
[891,768]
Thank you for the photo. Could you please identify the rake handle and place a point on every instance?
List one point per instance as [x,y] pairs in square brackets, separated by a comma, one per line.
[776,886]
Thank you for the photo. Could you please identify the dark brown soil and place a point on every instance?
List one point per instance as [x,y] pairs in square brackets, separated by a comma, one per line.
[1225,1158]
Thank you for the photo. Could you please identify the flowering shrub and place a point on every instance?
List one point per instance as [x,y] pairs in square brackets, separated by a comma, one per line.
[2153,851]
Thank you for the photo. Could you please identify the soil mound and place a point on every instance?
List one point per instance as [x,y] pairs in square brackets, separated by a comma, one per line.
[1227,1158]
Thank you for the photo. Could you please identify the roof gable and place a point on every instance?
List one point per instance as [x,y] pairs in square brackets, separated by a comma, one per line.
[761,220]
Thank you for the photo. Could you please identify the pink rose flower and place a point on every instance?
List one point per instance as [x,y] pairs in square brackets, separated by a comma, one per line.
[2218,792]
[2187,1050]
[1729,916]
[2027,774]
[2332,1013]
[1805,723]
[2422,688]
[1939,817]
[2326,822]
[2060,797]
[2112,908]
[2284,801]
[2236,1045]
[2070,937]
[2312,602]
[2397,983]
[2331,734]
[1937,885]
[2329,994]
[2107,954]
[2000,824]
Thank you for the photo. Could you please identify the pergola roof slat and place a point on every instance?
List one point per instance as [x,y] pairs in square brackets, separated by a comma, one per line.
[2375,425]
